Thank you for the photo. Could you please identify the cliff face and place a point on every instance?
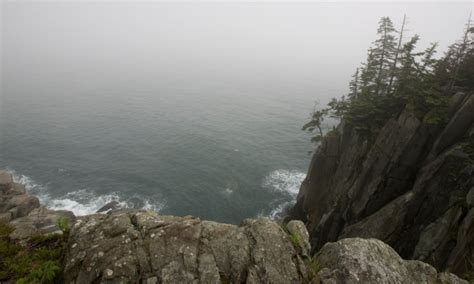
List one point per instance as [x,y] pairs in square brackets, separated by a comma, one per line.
[412,188]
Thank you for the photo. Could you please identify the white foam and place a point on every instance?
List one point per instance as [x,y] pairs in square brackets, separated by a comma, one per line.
[277,211]
[284,181]
[83,201]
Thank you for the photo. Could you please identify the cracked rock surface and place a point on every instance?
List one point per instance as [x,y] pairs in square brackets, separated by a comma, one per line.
[357,260]
[136,246]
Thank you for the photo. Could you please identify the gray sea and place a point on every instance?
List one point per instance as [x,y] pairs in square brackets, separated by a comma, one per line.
[210,149]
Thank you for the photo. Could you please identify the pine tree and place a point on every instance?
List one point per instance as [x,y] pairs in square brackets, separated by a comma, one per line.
[397,53]
[315,125]
[448,68]
[384,54]
[461,51]
[354,85]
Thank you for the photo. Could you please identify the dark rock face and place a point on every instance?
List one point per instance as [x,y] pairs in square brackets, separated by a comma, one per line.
[134,246]
[112,205]
[409,188]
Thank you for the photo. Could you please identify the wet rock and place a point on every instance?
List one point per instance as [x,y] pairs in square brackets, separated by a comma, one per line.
[113,205]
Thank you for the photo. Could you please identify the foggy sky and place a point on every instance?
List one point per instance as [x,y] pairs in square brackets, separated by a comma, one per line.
[308,45]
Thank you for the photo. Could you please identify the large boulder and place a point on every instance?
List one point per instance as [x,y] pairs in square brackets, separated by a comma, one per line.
[359,260]
[135,246]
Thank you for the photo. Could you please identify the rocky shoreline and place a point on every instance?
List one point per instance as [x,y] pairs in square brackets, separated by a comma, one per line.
[138,246]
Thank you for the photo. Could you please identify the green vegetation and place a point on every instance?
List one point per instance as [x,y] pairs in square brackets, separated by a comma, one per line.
[36,261]
[63,224]
[295,240]
[397,77]
[313,269]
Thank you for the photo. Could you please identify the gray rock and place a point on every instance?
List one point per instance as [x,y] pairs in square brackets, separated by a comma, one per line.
[298,229]
[5,217]
[136,245]
[18,205]
[113,205]
[40,221]
[14,202]
[6,181]
[372,261]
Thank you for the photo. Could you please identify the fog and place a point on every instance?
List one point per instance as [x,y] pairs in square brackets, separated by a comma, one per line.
[313,47]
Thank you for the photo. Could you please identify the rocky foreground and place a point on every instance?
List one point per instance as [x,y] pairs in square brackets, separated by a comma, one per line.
[137,246]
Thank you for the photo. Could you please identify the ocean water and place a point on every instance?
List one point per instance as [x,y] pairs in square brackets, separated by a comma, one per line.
[157,106]
[214,151]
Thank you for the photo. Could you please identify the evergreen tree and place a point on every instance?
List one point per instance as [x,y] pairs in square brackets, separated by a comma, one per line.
[384,53]
[354,85]
[315,125]
[448,68]
[397,53]
[396,78]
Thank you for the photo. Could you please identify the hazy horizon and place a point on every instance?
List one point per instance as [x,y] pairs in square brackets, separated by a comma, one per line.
[315,44]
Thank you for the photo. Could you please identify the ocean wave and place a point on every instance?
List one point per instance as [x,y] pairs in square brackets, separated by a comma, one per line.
[83,201]
[283,181]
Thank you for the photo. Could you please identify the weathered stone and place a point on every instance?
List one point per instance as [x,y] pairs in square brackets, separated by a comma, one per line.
[40,221]
[5,217]
[372,261]
[16,189]
[298,229]
[113,205]
[18,205]
[6,181]
[135,245]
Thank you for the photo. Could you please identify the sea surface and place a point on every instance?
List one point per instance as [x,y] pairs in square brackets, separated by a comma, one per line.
[185,109]
[210,150]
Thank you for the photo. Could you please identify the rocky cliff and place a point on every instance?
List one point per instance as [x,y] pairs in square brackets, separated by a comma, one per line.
[413,188]
[138,246]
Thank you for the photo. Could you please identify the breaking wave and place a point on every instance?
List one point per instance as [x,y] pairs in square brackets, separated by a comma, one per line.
[286,182]
[83,201]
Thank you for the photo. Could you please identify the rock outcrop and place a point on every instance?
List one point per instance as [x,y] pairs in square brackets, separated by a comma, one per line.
[130,246]
[24,213]
[412,188]
[14,202]
[372,261]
